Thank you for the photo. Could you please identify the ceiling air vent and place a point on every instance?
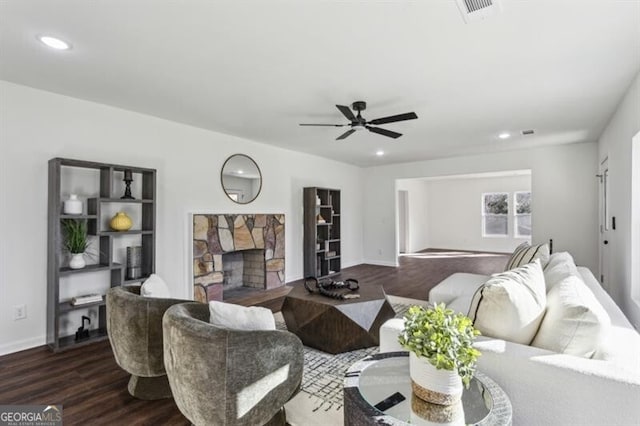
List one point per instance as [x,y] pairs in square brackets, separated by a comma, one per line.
[527,132]
[473,10]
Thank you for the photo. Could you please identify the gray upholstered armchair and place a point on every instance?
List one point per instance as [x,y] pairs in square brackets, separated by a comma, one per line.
[134,326]
[220,376]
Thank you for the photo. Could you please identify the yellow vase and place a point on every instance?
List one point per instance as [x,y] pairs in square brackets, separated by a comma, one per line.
[121,222]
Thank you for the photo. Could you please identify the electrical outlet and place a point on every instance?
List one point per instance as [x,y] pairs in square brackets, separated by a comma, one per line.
[19,312]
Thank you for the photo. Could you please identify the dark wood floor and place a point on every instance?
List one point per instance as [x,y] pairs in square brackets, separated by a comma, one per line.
[86,381]
[420,272]
[416,275]
[93,389]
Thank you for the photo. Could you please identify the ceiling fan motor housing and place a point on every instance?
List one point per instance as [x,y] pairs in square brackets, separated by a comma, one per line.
[359,106]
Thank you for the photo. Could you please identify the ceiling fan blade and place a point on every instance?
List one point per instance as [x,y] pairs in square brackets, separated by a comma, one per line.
[346,111]
[330,125]
[384,132]
[345,134]
[394,118]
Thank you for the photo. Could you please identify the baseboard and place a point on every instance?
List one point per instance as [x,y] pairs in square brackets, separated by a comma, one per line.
[381,263]
[352,263]
[21,345]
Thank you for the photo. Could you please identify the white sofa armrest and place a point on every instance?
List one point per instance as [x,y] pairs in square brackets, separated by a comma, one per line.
[389,333]
[547,388]
[455,285]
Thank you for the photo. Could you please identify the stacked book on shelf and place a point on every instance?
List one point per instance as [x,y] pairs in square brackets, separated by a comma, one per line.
[87,298]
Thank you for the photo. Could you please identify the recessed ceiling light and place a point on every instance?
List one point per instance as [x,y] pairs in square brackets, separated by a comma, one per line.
[380,153]
[54,43]
[504,135]
[240,172]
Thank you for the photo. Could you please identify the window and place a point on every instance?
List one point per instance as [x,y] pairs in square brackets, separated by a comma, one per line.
[495,214]
[522,214]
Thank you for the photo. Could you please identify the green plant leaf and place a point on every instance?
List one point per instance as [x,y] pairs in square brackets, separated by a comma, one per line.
[442,337]
[75,235]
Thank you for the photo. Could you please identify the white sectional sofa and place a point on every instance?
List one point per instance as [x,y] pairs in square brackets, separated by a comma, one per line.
[549,388]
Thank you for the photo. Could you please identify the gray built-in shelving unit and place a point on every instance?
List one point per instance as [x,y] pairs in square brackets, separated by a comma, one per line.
[96,216]
[322,251]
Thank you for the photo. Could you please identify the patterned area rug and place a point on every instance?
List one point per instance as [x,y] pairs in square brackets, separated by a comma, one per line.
[320,399]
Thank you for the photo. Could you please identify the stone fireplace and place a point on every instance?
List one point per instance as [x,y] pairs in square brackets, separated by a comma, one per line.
[233,250]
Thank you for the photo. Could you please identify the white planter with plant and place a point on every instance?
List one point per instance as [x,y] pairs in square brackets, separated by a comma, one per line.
[75,241]
[442,357]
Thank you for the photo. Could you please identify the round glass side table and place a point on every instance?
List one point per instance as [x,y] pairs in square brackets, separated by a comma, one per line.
[383,381]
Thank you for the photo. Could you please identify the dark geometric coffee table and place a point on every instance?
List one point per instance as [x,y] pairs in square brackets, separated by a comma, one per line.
[336,326]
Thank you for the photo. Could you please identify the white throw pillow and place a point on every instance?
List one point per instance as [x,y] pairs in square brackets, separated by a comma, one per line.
[228,315]
[575,322]
[154,286]
[559,267]
[526,253]
[510,305]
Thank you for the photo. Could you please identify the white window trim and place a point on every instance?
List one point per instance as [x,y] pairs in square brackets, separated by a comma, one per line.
[516,215]
[484,232]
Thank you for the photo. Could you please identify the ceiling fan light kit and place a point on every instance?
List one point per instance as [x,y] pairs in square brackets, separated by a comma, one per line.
[358,123]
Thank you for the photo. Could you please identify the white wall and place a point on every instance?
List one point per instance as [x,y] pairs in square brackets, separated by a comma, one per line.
[417,213]
[36,126]
[455,212]
[615,143]
[562,182]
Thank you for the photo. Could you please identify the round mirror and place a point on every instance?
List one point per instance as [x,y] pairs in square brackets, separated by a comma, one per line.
[241,178]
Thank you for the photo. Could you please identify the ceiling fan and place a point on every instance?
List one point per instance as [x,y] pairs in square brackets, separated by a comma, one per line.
[359,123]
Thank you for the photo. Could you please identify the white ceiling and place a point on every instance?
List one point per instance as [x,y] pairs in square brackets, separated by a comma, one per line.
[256,69]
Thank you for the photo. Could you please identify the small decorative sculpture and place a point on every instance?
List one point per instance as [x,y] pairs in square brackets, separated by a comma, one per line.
[83,333]
[134,262]
[324,287]
[121,222]
[128,178]
[72,205]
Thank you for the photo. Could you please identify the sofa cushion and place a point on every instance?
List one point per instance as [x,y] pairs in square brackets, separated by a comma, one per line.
[154,286]
[228,315]
[575,322]
[461,303]
[510,305]
[526,253]
[559,267]
[621,347]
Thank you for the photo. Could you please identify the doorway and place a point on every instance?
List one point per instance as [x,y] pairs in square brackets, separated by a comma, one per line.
[605,223]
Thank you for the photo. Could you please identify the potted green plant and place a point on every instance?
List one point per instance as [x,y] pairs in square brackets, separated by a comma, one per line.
[442,356]
[75,241]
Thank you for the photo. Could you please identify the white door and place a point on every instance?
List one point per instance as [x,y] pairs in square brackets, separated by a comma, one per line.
[605,224]
[403,221]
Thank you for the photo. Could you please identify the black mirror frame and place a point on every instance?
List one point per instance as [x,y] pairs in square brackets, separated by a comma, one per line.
[222,181]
